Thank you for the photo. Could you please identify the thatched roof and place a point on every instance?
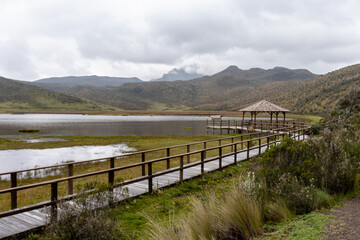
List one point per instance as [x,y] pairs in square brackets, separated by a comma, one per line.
[264,106]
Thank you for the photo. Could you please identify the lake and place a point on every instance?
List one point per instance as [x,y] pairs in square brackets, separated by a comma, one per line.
[102,125]
[12,160]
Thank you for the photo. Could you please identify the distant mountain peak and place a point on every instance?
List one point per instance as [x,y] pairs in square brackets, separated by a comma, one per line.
[232,68]
[178,74]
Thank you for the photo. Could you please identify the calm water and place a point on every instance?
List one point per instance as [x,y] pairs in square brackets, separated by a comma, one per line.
[29,158]
[101,125]
[85,125]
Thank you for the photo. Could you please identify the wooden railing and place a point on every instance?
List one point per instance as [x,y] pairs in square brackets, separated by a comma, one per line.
[249,124]
[245,141]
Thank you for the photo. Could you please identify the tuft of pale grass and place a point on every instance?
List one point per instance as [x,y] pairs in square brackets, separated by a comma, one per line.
[277,210]
[163,230]
[204,223]
[240,215]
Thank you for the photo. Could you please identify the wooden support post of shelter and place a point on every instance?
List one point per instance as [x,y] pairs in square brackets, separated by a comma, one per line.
[265,106]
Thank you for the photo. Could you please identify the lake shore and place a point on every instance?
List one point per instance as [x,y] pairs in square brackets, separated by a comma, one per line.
[305,117]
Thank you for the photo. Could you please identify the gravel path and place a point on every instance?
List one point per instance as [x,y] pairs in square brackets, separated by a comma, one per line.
[346,223]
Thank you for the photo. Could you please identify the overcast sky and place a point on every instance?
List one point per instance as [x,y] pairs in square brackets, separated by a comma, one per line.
[142,38]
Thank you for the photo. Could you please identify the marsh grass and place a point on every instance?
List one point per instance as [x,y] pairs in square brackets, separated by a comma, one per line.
[232,215]
[277,210]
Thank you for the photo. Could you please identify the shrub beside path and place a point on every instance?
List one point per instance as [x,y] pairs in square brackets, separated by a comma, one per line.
[346,221]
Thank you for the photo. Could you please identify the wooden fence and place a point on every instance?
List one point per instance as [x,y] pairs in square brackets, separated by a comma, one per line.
[238,144]
[249,125]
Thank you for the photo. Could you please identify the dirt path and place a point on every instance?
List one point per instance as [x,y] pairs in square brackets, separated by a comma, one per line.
[346,224]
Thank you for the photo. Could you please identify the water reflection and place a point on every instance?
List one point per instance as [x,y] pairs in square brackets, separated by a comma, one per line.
[101,125]
[12,160]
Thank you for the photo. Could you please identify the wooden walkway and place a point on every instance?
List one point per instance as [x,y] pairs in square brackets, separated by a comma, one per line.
[34,219]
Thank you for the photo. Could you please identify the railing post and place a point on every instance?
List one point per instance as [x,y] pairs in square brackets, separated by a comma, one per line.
[303,133]
[54,198]
[259,145]
[168,160]
[248,150]
[228,127]
[220,158]
[143,166]
[188,150]
[242,139]
[202,161]
[235,153]
[111,180]
[181,168]
[220,126]
[150,180]
[13,177]
[70,181]
[232,146]
[205,148]
[298,134]
[268,142]
[219,142]
[111,173]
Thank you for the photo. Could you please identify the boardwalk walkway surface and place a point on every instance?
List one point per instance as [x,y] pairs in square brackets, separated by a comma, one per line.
[33,219]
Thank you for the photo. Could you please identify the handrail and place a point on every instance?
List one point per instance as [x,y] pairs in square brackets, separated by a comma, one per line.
[110,171]
[128,154]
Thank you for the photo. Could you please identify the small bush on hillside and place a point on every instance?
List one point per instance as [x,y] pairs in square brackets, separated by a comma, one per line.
[323,199]
[337,158]
[84,218]
[298,197]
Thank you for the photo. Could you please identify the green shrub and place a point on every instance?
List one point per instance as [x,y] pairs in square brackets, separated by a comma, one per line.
[337,158]
[298,197]
[323,199]
[293,157]
[84,218]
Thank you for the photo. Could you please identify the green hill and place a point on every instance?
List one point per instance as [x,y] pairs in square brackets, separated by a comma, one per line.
[231,89]
[321,94]
[17,96]
[227,90]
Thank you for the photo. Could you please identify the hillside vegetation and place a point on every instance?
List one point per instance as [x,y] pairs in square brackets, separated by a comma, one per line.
[321,94]
[231,89]
[64,83]
[17,96]
[227,90]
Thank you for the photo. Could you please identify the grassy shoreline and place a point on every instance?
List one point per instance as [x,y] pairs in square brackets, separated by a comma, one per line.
[165,113]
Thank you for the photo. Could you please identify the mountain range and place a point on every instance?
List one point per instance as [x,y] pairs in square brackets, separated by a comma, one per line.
[226,90]
[229,90]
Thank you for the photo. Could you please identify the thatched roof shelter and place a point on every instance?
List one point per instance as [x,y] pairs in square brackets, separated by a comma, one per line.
[264,106]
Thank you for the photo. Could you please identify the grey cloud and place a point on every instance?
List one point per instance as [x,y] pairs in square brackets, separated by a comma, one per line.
[14,60]
[179,33]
